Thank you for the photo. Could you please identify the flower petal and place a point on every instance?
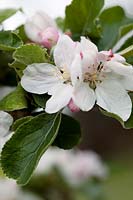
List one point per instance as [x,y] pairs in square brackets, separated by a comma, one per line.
[6,121]
[87,45]
[119,68]
[108,55]
[39,78]
[88,52]
[127,82]
[76,70]
[112,97]
[64,52]
[118,58]
[84,96]
[59,99]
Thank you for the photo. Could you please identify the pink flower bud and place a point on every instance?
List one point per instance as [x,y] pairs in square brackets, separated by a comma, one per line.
[73,107]
[49,37]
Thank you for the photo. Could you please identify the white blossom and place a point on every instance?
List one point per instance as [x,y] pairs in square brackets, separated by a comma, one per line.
[75,166]
[9,190]
[84,76]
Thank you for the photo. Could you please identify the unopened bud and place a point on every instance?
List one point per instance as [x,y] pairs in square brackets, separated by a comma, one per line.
[49,37]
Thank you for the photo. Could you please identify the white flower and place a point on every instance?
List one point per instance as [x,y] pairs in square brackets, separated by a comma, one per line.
[109,80]
[6,121]
[54,80]
[41,28]
[8,189]
[75,166]
[84,76]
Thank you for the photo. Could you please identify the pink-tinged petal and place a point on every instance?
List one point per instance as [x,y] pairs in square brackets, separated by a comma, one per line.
[73,107]
[38,78]
[76,70]
[36,24]
[6,121]
[104,56]
[59,99]
[64,52]
[118,58]
[84,96]
[112,97]
[49,37]
[119,68]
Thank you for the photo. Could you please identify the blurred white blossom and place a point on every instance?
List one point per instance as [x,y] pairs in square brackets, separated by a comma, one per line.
[76,166]
[9,190]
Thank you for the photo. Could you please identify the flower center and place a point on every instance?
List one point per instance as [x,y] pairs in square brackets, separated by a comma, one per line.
[95,76]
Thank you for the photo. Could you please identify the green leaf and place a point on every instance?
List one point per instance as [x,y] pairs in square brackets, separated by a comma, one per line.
[125,29]
[127,48]
[112,115]
[9,41]
[60,23]
[81,17]
[7,75]
[20,122]
[26,55]
[23,151]
[69,133]
[128,124]
[40,100]
[111,20]
[16,100]
[6,13]
[127,52]
[22,34]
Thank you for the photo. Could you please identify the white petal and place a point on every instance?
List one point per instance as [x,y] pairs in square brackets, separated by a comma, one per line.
[86,45]
[127,82]
[64,52]
[84,96]
[88,52]
[59,99]
[32,32]
[76,70]
[119,68]
[39,78]
[113,98]
[6,121]
[37,23]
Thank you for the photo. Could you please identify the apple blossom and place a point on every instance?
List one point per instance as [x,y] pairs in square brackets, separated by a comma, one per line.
[54,80]
[41,28]
[83,76]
